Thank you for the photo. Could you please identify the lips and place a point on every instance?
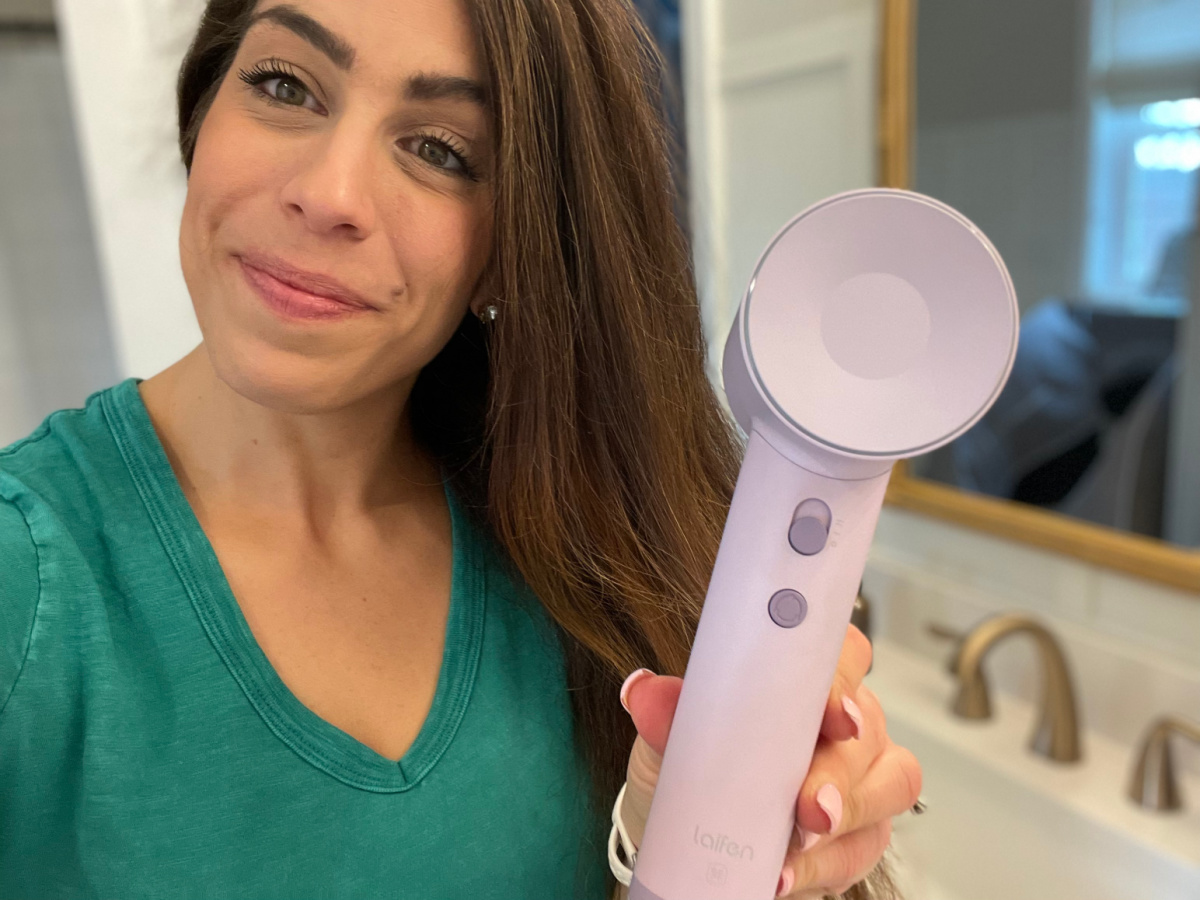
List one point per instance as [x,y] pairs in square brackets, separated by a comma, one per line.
[298,293]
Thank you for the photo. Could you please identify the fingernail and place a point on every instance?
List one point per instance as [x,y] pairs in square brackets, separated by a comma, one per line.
[808,839]
[829,798]
[633,676]
[855,715]
[786,881]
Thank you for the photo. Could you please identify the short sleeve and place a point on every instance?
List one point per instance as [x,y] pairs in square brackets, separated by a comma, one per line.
[18,595]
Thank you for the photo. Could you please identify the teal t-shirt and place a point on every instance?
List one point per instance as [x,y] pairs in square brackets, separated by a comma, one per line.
[149,750]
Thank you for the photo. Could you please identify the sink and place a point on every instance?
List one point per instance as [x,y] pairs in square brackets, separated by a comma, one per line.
[1004,824]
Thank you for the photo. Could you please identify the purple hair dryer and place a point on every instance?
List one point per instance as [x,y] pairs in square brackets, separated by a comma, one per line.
[878,325]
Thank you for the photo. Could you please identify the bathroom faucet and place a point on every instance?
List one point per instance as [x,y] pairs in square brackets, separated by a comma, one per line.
[1057,734]
[860,618]
[1154,784]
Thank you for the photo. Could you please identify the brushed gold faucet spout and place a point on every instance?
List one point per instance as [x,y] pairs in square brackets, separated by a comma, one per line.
[1154,784]
[1057,733]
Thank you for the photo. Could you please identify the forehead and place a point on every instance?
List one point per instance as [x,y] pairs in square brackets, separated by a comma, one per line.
[385,38]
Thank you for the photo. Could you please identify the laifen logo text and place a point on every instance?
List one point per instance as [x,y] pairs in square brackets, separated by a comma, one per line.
[720,843]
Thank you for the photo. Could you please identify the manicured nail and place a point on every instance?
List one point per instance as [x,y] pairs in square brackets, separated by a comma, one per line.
[786,881]
[855,715]
[829,798]
[633,676]
[808,839]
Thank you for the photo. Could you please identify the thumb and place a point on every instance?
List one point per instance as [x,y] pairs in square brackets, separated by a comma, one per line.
[650,700]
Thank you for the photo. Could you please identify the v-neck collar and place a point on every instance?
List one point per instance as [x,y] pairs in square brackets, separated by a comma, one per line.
[319,742]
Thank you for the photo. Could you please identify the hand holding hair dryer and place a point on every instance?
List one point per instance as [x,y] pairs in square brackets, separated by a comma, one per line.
[878,325]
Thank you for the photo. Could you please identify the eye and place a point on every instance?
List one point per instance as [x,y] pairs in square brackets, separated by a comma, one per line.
[288,91]
[273,81]
[441,153]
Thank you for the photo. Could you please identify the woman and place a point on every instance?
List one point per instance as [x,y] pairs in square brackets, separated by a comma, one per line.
[340,604]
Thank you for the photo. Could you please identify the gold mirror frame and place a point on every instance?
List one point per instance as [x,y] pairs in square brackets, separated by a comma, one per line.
[1134,554]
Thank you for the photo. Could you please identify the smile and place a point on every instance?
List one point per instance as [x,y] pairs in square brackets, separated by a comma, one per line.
[294,294]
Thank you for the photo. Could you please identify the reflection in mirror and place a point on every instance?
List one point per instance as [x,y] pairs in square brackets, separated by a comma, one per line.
[1069,132]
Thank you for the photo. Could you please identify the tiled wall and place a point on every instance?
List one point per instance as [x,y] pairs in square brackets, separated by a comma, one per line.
[55,346]
[1020,180]
[1132,645]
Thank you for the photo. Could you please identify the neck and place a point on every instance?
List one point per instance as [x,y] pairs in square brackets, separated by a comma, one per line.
[230,452]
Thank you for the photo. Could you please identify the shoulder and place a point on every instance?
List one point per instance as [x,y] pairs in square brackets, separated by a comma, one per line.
[70,465]
[55,486]
[19,592]
[66,440]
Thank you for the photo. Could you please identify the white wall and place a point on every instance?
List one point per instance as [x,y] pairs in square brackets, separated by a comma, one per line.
[123,56]
[55,345]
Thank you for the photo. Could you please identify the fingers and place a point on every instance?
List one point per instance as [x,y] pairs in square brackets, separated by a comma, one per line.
[890,787]
[837,768]
[842,719]
[838,865]
[862,821]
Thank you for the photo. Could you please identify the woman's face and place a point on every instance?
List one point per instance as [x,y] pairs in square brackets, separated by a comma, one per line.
[338,213]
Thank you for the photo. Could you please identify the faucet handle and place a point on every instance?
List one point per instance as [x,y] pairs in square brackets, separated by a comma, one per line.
[1153,784]
[860,618]
[945,633]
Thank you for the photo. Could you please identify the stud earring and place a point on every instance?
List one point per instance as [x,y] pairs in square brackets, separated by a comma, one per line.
[489,313]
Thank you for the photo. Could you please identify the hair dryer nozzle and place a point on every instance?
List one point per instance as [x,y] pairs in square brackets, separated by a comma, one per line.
[879,324]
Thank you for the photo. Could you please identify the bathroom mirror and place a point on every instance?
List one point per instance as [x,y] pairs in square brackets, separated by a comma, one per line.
[1069,132]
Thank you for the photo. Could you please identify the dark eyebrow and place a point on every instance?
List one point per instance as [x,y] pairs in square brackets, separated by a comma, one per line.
[425,86]
[336,48]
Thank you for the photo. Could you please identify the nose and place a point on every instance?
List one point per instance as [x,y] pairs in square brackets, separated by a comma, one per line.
[331,189]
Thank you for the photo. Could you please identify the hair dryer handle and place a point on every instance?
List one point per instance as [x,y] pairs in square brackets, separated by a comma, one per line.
[754,694]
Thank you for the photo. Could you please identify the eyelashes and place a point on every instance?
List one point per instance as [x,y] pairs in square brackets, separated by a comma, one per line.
[260,71]
[433,148]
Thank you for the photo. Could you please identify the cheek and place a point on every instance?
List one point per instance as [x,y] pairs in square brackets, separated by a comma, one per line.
[229,164]
[232,166]
[442,247]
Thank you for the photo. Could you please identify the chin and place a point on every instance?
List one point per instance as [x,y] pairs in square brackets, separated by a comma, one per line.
[287,382]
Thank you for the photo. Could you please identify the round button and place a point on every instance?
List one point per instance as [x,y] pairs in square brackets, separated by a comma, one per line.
[787,608]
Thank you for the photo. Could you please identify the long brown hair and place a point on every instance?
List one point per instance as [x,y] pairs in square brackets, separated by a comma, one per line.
[580,426]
